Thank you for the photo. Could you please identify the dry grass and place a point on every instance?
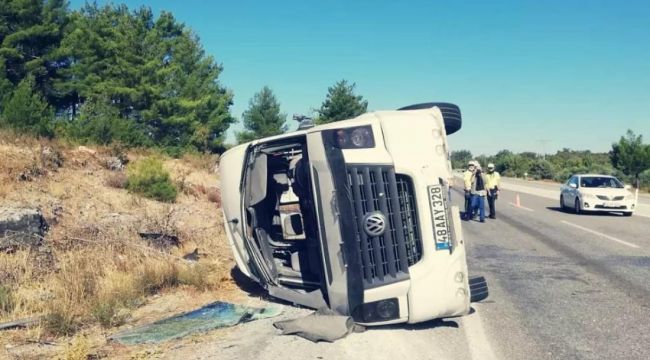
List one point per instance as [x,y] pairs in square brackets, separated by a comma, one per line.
[116,180]
[214,195]
[77,349]
[204,162]
[95,271]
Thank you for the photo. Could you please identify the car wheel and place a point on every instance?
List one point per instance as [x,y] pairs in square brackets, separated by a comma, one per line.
[628,213]
[562,206]
[576,206]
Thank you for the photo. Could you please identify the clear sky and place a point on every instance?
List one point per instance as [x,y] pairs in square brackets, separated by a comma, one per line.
[528,75]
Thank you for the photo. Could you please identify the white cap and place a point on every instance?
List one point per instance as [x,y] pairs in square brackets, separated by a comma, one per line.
[490,166]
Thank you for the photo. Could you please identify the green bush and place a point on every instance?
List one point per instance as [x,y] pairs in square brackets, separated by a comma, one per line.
[541,169]
[148,178]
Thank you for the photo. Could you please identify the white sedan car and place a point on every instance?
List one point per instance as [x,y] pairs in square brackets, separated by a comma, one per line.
[592,193]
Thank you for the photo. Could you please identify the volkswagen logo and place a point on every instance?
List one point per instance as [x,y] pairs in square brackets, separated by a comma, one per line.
[374,224]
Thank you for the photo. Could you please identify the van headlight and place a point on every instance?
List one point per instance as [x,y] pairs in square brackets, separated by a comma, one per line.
[377,311]
[359,137]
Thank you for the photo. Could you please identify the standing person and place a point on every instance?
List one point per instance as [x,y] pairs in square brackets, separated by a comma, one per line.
[492,184]
[467,186]
[478,193]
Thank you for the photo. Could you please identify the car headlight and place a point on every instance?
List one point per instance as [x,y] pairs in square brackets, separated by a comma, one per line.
[360,137]
[629,196]
[587,195]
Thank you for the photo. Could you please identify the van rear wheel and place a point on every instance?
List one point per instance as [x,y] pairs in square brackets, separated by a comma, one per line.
[450,114]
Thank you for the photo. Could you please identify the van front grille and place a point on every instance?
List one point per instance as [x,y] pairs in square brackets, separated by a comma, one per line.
[377,189]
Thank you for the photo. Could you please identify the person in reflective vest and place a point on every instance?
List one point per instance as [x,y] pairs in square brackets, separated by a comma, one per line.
[467,186]
[493,178]
[478,191]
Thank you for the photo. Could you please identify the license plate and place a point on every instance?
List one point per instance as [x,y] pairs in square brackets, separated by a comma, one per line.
[610,204]
[439,217]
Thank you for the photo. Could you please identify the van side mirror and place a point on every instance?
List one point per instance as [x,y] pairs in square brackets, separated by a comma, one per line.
[573,186]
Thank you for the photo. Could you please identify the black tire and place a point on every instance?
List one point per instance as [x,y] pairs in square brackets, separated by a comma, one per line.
[562,206]
[450,114]
[627,213]
[576,206]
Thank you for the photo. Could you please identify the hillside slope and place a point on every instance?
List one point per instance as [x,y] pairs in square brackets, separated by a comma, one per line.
[111,258]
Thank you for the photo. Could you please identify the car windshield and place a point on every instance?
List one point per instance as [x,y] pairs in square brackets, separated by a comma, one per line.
[600,182]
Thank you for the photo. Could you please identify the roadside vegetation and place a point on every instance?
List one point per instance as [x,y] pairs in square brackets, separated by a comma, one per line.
[94,270]
[629,160]
[107,74]
[147,177]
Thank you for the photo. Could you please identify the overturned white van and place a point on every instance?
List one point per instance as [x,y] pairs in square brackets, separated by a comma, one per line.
[353,215]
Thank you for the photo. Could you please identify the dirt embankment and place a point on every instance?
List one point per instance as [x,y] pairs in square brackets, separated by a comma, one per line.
[110,258]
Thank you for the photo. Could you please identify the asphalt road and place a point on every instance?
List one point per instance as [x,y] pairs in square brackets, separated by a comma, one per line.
[562,286]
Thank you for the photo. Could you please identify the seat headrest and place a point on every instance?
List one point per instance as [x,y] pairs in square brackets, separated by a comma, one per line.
[281,178]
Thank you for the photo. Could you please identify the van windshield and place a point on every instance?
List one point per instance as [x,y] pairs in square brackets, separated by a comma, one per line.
[600,182]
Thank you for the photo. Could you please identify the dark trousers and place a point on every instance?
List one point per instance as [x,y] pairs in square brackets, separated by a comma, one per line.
[491,200]
[468,205]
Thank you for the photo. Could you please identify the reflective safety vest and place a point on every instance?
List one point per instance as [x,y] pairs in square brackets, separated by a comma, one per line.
[467,179]
[493,180]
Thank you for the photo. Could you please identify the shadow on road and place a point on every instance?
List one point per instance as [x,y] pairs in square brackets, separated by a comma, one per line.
[246,284]
[570,211]
[254,289]
[431,324]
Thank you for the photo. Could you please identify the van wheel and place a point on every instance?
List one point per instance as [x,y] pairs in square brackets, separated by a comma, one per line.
[628,213]
[576,207]
[450,114]
[562,206]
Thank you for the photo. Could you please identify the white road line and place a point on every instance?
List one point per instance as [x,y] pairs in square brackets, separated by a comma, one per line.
[521,207]
[601,234]
[479,345]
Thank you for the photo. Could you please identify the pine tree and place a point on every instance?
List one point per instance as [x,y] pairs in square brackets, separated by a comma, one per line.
[263,117]
[106,58]
[188,105]
[150,76]
[26,111]
[5,85]
[341,103]
[155,73]
[30,34]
